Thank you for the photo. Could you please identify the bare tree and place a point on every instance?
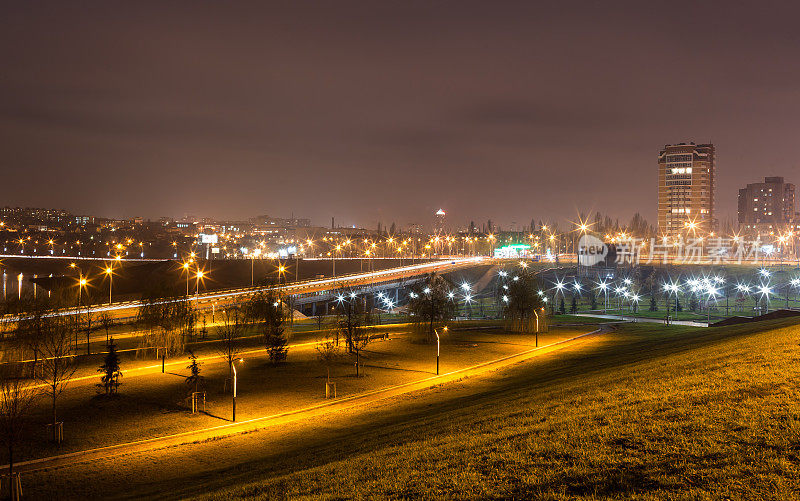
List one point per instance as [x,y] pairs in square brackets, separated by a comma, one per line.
[17,396]
[166,324]
[229,334]
[184,317]
[430,304]
[58,361]
[361,338]
[321,323]
[33,316]
[327,353]
[522,303]
[106,321]
[172,320]
[349,316]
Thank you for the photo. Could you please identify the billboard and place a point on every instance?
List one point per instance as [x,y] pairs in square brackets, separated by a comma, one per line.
[208,239]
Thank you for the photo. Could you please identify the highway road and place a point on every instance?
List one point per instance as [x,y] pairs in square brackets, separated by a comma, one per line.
[204,300]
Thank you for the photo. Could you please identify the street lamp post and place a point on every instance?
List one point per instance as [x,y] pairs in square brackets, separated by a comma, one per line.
[438,348]
[765,292]
[537,325]
[186,269]
[604,287]
[711,293]
[335,252]
[81,285]
[198,276]
[110,273]
[282,274]
[233,366]
[620,292]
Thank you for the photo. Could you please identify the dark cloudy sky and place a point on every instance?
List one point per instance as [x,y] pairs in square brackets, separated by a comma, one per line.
[386,111]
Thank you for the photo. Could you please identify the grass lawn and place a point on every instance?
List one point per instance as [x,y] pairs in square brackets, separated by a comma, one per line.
[648,412]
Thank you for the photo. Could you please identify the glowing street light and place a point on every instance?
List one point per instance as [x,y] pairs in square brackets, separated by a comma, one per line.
[82,282]
[672,288]
[711,293]
[765,292]
[621,292]
[198,276]
[282,274]
[110,272]
[603,286]
[634,303]
[233,366]
[186,269]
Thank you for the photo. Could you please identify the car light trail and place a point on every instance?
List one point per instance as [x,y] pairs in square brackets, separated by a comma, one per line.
[291,289]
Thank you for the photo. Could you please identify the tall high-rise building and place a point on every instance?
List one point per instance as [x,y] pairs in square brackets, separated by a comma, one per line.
[440,225]
[686,174]
[766,208]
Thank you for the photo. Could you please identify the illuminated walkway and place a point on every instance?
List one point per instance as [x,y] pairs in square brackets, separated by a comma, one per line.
[629,318]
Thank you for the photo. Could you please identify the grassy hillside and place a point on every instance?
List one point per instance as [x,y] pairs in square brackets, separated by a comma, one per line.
[647,413]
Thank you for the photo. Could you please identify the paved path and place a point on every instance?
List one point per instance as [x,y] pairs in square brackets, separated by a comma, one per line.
[690,323]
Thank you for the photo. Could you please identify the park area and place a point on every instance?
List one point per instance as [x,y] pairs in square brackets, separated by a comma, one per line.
[150,403]
[641,410]
[423,402]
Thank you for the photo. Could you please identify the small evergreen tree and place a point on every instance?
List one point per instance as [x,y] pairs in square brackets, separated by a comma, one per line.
[109,381]
[678,305]
[653,304]
[275,339]
[693,303]
[276,344]
[204,330]
[194,379]
[573,307]
[593,300]
[562,307]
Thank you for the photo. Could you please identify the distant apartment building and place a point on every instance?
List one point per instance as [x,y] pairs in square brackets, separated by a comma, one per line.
[766,208]
[281,222]
[686,173]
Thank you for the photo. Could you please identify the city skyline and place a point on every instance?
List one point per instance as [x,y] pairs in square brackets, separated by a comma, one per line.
[485,113]
[399,250]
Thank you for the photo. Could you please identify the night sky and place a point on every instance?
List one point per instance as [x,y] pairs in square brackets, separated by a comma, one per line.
[387,111]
